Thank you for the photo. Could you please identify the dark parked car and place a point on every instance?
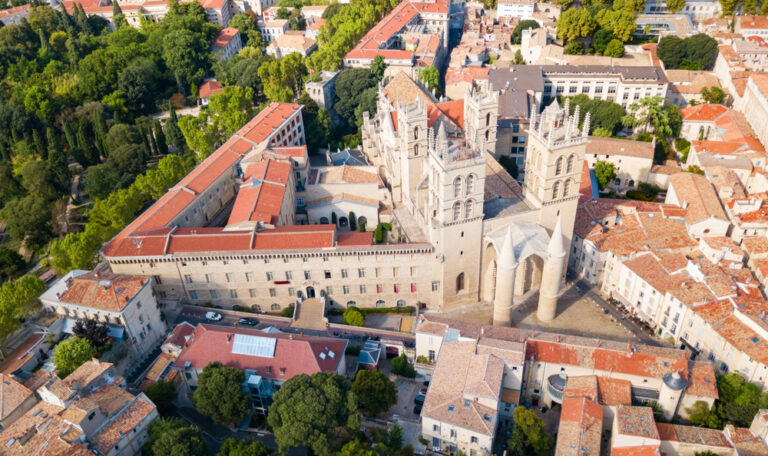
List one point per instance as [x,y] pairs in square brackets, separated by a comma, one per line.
[248,321]
[426,383]
[417,410]
[419,400]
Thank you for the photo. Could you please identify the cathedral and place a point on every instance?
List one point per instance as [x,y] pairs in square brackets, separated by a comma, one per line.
[495,241]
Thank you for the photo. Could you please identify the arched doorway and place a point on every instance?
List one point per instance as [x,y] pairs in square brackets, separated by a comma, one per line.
[324,221]
[488,292]
[528,275]
[343,222]
[310,292]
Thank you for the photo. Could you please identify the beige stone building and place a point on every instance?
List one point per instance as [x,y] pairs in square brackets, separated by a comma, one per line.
[632,160]
[456,216]
[125,303]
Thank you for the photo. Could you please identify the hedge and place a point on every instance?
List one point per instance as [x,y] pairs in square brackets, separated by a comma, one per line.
[405,310]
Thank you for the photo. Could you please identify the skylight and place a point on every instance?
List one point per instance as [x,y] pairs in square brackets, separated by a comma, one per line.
[254,346]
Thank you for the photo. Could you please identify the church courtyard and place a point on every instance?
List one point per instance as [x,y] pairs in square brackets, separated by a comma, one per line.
[577,315]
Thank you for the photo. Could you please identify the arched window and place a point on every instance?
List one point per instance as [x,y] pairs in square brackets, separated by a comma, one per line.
[468,209]
[275,306]
[567,188]
[459,282]
[487,135]
[351,303]
[488,119]
[416,149]
[571,159]
[555,190]
[401,303]
[456,210]
[416,133]
[381,303]
[470,184]
[457,187]
[559,166]
[256,308]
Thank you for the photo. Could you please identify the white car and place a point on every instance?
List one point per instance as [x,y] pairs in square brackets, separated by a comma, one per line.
[213,316]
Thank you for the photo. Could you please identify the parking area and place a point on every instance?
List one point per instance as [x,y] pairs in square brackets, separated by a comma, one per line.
[407,390]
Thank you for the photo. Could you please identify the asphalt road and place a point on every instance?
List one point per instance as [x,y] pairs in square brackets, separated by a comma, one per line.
[639,332]
[195,315]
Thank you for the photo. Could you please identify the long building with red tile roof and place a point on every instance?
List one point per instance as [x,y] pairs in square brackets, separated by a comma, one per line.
[423,23]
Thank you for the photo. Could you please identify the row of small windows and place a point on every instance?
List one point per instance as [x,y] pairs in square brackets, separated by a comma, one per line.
[566,189]
[346,289]
[468,208]
[469,185]
[569,165]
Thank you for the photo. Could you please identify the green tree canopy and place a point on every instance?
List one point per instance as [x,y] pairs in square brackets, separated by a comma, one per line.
[375,390]
[354,316]
[713,94]
[696,52]
[614,49]
[517,33]
[675,5]
[28,219]
[175,437]
[400,366]
[220,394]
[72,353]
[701,415]
[11,263]
[237,447]
[528,435]
[605,172]
[620,23]
[575,23]
[18,299]
[307,410]
[162,395]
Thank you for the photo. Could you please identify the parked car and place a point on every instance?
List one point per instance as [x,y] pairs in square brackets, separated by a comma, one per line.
[248,321]
[426,383]
[213,316]
[419,400]
[423,391]
[417,410]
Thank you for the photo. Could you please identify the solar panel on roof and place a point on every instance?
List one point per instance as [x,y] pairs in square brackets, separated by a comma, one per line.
[254,346]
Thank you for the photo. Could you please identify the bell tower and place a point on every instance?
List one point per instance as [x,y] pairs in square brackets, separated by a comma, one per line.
[553,166]
[480,118]
[412,125]
[456,178]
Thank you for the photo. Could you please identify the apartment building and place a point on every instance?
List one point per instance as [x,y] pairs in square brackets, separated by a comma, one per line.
[267,358]
[227,43]
[414,34]
[522,9]
[125,303]
[695,9]
[632,160]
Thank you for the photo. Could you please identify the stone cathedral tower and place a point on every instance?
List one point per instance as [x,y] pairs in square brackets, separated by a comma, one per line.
[553,168]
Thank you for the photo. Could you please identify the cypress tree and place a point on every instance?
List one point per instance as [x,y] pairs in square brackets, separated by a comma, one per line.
[4,156]
[100,132]
[68,133]
[43,39]
[37,140]
[153,141]
[162,145]
[173,132]
[84,144]
[64,19]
